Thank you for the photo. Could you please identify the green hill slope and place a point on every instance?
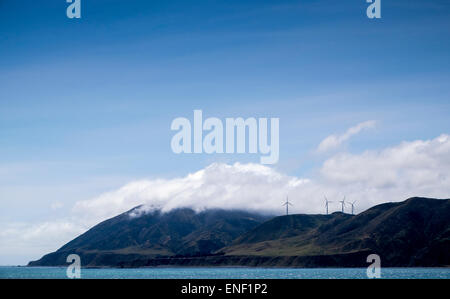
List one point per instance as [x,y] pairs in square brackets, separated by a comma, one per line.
[413,232]
[181,232]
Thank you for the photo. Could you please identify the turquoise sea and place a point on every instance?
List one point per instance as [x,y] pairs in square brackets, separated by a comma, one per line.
[224,273]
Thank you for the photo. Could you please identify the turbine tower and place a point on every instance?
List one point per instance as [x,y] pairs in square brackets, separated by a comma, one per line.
[287,204]
[326,203]
[343,204]
[353,207]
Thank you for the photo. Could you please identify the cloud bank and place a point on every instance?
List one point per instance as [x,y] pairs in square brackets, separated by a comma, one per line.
[417,168]
[251,187]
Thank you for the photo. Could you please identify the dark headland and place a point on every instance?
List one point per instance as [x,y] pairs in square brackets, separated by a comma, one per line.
[412,233]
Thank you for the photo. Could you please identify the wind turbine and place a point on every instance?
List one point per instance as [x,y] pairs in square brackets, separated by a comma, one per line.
[353,207]
[326,203]
[287,204]
[343,204]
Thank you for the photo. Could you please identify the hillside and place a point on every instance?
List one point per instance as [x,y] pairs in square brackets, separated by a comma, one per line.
[180,232]
[410,233]
[415,232]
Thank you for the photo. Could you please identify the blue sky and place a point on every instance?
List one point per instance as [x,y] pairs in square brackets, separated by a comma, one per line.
[86,105]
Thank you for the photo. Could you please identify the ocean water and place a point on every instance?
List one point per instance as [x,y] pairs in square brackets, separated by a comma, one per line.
[223,273]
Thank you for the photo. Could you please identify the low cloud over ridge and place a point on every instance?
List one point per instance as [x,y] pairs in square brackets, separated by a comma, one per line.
[251,187]
[417,168]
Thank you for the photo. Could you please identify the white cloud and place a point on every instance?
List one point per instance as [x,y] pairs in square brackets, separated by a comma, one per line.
[239,186]
[334,141]
[417,168]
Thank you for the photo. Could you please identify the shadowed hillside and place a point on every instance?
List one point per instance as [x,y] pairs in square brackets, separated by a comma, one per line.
[410,233]
[415,232]
[181,232]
